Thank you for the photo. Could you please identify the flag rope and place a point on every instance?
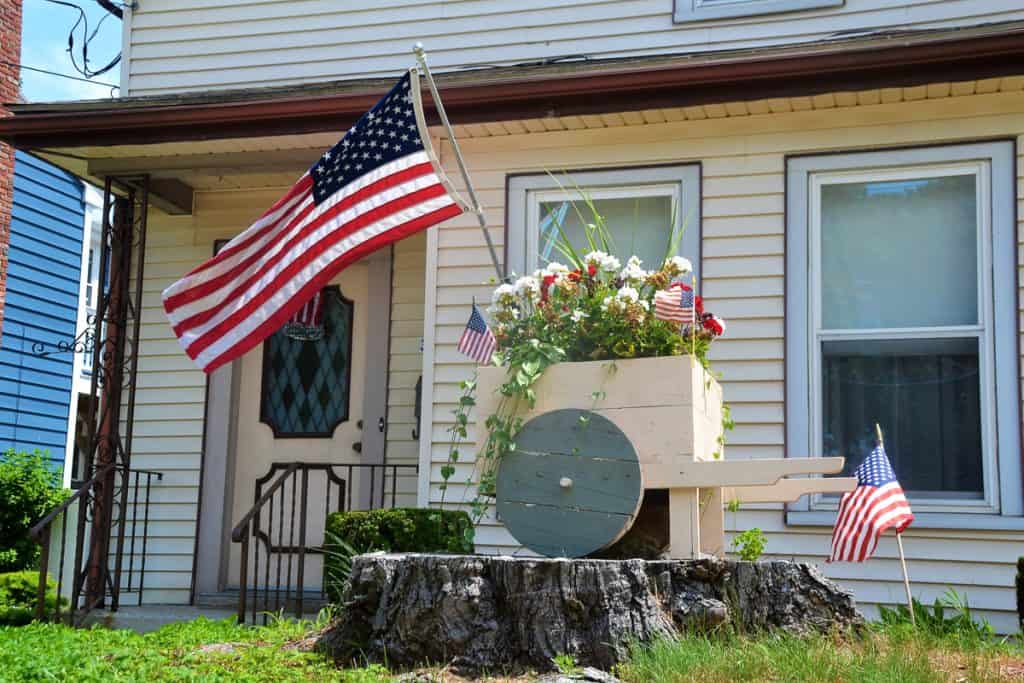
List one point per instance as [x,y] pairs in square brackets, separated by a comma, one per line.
[421,58]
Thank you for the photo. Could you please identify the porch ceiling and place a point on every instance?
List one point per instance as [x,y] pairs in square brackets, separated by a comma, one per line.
[276,161]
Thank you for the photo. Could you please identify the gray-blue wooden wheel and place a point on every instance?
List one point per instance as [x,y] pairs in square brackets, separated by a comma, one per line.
[572,486]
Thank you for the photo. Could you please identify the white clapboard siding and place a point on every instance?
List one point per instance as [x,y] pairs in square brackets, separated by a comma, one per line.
[182,45]
[405,363]
[743,162]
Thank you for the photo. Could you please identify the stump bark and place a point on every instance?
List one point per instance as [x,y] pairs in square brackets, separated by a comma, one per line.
[480,612]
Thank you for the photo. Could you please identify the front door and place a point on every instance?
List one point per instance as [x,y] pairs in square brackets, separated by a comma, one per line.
[318,401]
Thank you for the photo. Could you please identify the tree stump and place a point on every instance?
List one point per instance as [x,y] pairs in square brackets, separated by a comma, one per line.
[482,612]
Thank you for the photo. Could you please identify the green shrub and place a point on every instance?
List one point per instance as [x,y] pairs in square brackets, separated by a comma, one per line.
[400,530]
[29,490]
[18,592]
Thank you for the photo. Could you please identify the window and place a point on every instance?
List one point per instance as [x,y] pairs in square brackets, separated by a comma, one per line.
[642,208]
[700,10]
[306,384]
[900,308]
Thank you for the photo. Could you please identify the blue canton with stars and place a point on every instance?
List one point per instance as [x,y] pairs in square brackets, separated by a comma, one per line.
[476,322]
[385,133]
[875,470]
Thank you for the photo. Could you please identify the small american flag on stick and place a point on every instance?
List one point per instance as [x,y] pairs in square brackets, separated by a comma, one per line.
[675,304]
[866,512]
[380,183]
[477,340]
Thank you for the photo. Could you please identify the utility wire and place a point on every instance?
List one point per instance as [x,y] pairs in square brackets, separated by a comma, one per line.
[57,73]
[83,21]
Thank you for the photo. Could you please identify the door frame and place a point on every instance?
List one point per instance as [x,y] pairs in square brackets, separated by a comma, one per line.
[217,464]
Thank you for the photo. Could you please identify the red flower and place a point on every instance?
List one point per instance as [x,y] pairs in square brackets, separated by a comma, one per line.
[574,276]
[698,302]
[713,324]
[592,269]
[545,286]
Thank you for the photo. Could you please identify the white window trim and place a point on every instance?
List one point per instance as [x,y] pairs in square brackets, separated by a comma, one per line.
[993,165]
[703,10]
[526,192]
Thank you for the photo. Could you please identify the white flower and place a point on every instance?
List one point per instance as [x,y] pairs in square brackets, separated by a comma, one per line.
[556,269]
[606,304]
[578,315]
[633,272]
[680,264]
[603,261]
[627,295]
[503,295]
[527,287]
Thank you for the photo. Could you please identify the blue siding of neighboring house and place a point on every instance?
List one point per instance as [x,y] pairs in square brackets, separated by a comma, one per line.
[43,279]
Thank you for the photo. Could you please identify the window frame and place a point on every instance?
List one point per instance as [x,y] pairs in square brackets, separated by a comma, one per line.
[686,11]
[526,191]
[992,163]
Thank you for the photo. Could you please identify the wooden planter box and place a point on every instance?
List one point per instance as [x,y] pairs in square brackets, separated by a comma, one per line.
[670,408]
[670,411]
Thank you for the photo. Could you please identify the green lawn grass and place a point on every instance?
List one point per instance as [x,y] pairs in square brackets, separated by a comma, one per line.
[182,652]
[51,652]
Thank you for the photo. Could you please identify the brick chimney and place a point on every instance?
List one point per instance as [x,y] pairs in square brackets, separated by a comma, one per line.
[10,54]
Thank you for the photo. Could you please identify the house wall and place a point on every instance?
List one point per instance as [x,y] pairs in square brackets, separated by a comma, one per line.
[172,392]
[181,45]
[41,308]
[743,227]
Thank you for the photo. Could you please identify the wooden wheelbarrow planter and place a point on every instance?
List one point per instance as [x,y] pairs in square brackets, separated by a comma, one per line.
[603,432]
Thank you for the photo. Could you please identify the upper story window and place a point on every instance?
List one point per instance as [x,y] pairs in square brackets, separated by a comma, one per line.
[701,10]
[641,207]
[900,310]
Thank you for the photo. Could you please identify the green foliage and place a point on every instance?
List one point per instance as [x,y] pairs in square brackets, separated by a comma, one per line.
[459,432]
[400,530]
[934,621]
[52,652]
[18,592]
[749,544]
[567,665]
[878,656]
[337,566]
[29,490]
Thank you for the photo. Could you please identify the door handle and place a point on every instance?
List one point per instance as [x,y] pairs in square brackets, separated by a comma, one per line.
[380,425]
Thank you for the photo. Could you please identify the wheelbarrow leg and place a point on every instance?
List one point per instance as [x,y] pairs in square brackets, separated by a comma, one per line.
[684,523]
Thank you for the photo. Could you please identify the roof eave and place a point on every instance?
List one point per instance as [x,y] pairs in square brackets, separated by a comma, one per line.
[629,85]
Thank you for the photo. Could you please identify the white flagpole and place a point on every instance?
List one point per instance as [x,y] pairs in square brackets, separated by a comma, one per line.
[899,544]
[421,58]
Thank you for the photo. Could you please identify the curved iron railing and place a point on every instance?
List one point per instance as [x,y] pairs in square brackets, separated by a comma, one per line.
[278,524]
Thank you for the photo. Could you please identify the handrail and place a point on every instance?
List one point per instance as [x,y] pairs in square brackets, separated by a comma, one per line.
[36,532]
[239,531]
[276,526]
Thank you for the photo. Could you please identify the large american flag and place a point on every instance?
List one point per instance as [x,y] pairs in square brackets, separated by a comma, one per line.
[477,340]
[376,186]
[675,304]
[866,512]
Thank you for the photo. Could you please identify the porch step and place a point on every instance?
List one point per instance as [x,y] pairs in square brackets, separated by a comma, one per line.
[312,602]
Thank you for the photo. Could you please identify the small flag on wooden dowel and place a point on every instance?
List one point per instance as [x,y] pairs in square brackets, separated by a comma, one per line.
[477,340]
[675,304]
[877,504]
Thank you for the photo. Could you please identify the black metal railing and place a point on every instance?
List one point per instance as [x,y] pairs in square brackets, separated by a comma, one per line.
[127,494]
[275,580]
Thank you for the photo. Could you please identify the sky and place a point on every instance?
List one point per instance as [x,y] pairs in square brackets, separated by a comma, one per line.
[44,44]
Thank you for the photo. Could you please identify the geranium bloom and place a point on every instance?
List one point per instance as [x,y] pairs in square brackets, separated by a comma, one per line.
[633,272]
[627,295]
[604,261]
[713,324]
[678,265]
[578,315]
[527,287]
[504,295]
